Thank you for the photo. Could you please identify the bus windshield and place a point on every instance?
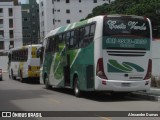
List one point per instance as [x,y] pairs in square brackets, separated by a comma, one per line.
[126,26]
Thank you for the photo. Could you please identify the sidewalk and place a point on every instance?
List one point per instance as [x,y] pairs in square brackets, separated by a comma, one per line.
[153,94]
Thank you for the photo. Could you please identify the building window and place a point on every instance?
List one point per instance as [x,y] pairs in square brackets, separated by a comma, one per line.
[79,0]
[53,10]
[1,23]
[11,34]
[33,16]
[42,4]
[68,21]
[27,35]
[10,23]
[95,1]
[52,1]
[1,34]
[80,11]
[1,45]
[42,13]
[58,0]
[67,1]
[42,23]
[25,19]
[25,28]
[10,12]
[11,44]
[53,21]
[1,12]
[58,10]
[67,11]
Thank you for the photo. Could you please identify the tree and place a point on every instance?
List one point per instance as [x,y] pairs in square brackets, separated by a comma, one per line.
[147,8]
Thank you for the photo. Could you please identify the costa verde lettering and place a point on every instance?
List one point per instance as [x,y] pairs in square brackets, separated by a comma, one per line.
[133,25]
[130,25]
[113,25]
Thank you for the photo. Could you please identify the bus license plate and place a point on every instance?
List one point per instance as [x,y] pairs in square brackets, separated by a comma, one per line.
[126,84]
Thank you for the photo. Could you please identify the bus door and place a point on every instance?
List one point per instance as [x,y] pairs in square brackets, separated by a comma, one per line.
[67,65]
[61,64]
[67,71]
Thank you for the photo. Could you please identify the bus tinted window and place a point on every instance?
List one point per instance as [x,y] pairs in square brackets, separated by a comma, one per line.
[86,35]
[92,30]
[67,37]
[74,39]
[126,26]
[19,55]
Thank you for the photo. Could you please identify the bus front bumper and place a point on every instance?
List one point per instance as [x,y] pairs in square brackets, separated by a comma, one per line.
[121,85]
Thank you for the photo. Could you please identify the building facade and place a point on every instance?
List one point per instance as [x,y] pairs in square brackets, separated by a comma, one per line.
[55,13]
[10,24]
[30,22]
[10,28]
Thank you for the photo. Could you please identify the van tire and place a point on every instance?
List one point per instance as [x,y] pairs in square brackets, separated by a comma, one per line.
[76,89]
[48,86]
[21,77]
[12,76]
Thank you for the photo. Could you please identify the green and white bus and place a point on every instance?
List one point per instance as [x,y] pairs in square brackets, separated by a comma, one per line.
[104,53]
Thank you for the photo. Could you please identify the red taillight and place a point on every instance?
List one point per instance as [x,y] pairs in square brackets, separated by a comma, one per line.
[29,68]
[148,75]
[100,69]
[104,82]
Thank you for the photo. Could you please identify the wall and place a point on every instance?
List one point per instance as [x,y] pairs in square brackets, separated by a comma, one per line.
[4,63]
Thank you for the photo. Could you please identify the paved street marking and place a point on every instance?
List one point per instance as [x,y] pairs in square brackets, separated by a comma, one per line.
[53,100]
[106,118]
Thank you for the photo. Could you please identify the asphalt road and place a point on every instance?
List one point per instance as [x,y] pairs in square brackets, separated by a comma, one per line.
[17,96]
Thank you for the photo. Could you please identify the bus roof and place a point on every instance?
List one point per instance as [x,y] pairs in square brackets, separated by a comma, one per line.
[84,22]
[69,27]
[26,46]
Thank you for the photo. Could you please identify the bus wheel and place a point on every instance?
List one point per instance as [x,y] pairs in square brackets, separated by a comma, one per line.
[21,77]
[47,83]
[12,76]
[77,91]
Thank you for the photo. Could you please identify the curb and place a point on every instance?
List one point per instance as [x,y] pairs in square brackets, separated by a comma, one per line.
[147,96]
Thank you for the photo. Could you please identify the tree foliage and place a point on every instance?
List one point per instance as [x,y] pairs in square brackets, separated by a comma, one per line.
[147,8]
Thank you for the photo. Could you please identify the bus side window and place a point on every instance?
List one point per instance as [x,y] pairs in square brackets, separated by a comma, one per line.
[61,43]
[74,40]
[67,38]
[84,36]
[47,47]
[92,31]
[26,54]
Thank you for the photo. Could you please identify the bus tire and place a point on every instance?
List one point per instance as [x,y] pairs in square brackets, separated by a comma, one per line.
[21,77]
[12,76]
[48,86]
[77,91]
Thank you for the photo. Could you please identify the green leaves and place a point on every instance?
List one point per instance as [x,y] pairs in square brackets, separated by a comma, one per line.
[147,8]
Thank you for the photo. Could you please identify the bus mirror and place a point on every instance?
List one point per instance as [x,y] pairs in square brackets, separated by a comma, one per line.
[39,52]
